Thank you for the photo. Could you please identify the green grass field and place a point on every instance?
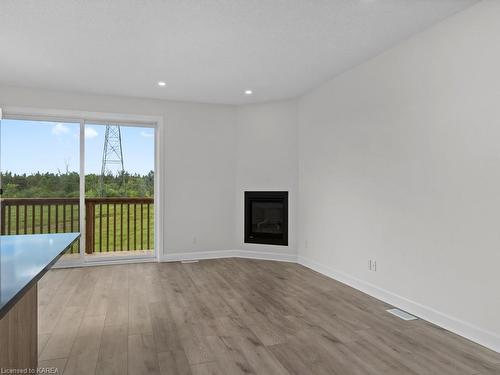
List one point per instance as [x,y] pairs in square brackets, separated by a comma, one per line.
[116,227]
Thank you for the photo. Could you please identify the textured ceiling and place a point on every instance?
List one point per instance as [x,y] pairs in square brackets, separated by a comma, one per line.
[205,50]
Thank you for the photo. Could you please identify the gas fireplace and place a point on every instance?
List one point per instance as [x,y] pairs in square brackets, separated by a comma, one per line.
[266,217]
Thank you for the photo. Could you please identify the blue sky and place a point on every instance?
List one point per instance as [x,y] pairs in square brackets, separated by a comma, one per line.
[32,146]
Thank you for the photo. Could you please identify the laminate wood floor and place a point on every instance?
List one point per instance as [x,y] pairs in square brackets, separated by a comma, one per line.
[234,316]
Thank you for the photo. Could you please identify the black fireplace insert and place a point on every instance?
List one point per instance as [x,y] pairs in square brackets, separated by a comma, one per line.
[266,217]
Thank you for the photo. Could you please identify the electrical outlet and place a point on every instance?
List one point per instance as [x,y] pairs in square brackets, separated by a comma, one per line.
[194,240]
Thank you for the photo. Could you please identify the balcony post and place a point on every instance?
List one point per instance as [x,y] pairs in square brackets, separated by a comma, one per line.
[3,218]
[89,227]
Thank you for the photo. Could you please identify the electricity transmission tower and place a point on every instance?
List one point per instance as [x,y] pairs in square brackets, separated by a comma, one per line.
[112,155]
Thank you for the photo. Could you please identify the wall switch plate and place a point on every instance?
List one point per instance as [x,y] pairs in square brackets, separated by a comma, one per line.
[374,265]
[370,265]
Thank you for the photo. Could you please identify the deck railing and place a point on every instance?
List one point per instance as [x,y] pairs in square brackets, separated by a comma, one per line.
[111,224]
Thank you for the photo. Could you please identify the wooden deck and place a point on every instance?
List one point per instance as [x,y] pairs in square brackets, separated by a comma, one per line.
[235,316]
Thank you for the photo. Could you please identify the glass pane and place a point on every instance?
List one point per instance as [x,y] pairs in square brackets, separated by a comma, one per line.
[119,190]
[267,217]
[40,178]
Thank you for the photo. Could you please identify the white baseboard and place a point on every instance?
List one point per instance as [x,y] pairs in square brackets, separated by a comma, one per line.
[264,255]
[464,329]
[249,254]
[197,255]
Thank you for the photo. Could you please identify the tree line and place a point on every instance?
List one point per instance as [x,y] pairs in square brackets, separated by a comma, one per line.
[67,185]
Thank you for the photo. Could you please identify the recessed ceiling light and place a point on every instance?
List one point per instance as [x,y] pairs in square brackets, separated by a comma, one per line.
[248,92]
[161,83]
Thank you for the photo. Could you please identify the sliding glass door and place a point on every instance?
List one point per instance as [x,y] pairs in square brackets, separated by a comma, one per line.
[97,178]
[119,190]
[40,163]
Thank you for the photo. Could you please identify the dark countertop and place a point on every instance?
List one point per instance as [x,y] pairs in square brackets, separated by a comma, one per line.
[25,259]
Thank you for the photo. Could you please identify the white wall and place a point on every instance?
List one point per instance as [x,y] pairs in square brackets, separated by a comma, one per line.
[399,161]
[213,153]
[199,167]
[266,159]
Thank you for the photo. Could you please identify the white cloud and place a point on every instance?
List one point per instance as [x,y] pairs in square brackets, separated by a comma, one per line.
[147,134]
[90,133]
[60,129]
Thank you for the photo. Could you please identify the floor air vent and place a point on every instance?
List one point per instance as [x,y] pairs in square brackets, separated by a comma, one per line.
[401,314]
[189,261]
